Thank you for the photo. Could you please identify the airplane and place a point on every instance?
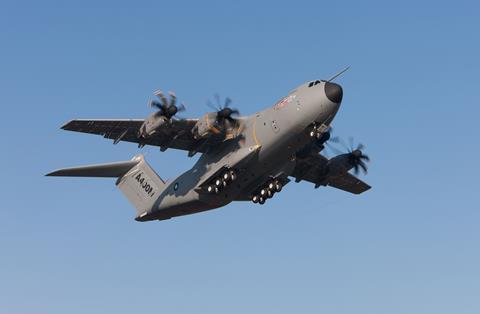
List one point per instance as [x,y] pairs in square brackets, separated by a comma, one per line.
[243,158]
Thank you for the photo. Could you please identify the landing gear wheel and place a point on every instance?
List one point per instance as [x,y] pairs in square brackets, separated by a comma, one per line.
[261,201]
[226,176]
[218,182]
[233,175]
[269,193]
[255,199]
[278,187]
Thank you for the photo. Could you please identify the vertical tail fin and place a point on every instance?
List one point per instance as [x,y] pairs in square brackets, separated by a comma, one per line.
[141,185]
[136,179]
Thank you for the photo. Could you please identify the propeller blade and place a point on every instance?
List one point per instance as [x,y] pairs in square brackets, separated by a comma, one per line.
[163,99]
[182,107]
[343,144]
[350,143]
[172,110]
[155,104]
[173,98]
[217,100]
[209,104]
[333,149]
[334,139]
[365,157]
[363,166]
[228,101]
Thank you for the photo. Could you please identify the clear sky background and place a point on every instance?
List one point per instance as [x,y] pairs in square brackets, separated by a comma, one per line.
[410,245]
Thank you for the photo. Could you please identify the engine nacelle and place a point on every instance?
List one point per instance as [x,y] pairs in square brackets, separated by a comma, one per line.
[339,165]
[152,124]
[206,126]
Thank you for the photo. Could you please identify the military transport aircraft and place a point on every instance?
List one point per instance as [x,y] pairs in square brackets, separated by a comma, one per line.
[247,158]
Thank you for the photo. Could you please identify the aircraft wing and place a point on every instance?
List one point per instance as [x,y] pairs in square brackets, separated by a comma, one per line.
[178,135]
[312,169]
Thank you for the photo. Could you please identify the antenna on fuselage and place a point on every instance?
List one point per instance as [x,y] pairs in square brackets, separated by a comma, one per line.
[338,74]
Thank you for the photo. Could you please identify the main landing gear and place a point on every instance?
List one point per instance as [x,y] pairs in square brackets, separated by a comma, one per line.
[267,191]
[222,181]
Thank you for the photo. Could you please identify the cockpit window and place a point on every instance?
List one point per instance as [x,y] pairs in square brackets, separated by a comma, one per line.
[313,83]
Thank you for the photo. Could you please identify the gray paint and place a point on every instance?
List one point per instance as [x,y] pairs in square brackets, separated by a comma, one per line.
[265,148]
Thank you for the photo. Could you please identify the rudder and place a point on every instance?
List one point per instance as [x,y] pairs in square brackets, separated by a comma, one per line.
[141,185]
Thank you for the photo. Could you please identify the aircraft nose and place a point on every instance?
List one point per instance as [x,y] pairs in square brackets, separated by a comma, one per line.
[334,92]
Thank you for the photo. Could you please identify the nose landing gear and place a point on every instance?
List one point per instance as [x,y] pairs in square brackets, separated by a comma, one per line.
[320,133]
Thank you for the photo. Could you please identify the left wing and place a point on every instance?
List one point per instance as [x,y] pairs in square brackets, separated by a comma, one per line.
[176,135]
[312,168]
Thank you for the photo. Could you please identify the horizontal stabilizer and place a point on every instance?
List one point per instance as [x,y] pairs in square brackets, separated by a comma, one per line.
[113,169]
[135,178]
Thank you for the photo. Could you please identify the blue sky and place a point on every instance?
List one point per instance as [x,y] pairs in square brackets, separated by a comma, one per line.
[410,245]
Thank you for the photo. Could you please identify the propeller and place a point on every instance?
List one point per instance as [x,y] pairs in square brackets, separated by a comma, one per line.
[224,114]
[355,156]
[358,158]
[167,108]
[326,139]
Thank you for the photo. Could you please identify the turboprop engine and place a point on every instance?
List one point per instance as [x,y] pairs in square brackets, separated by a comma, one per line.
[343,163]
[219,123]
[166,111]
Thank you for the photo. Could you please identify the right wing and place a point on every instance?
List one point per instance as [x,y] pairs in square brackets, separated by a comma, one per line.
[177,135]
[312,168]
